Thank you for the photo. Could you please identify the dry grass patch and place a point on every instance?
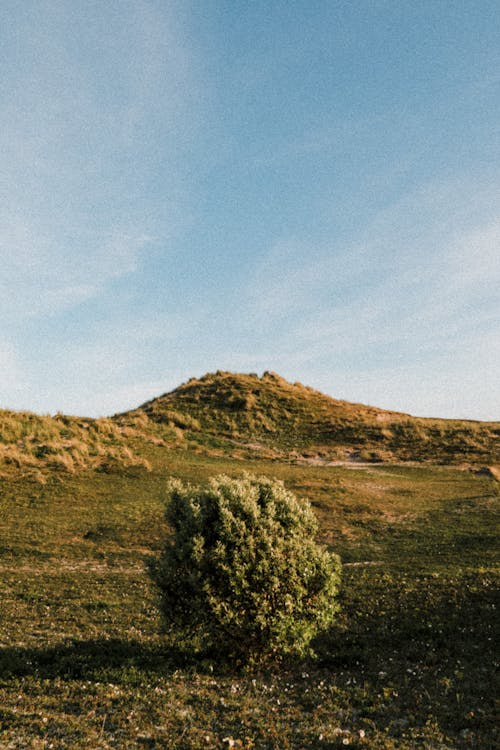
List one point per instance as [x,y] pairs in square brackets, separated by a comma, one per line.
[34,446]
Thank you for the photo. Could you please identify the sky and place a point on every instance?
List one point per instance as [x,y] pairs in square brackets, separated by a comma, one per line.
[305,186]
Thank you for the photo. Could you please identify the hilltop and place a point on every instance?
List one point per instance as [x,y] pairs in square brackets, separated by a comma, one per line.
[269,416]
[239,416]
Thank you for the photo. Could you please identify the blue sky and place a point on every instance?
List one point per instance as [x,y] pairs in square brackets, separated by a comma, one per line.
[308,187]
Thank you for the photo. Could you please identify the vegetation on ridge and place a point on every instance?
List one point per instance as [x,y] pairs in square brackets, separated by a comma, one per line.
[34,446]
[409,663]
[241,416]
[276,418]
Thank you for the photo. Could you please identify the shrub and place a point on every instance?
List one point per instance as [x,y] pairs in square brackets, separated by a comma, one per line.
[242,572]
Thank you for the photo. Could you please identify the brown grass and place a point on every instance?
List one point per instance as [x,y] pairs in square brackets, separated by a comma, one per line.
[35,445]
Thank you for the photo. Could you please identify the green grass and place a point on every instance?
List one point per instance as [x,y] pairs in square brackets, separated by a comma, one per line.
[409,664]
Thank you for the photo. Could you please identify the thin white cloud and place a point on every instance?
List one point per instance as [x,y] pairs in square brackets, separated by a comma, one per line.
[296,276]
[417,291]
[86,97]
[433,242]
[101,370]
[39,277]
[474,258]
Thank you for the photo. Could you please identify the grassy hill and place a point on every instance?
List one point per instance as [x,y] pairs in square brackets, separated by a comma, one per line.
[240,416]
[247,414]
[411,663]
[36,447]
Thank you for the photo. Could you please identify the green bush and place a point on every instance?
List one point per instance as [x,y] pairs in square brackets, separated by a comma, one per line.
[241,572]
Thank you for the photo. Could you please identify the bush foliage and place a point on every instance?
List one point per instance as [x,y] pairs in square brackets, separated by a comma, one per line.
[242,572]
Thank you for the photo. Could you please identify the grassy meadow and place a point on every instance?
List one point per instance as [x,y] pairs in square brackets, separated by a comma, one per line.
[409,664]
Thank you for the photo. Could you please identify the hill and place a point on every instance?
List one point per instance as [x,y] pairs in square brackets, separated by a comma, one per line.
[240,416]
[409,664]
[274,418]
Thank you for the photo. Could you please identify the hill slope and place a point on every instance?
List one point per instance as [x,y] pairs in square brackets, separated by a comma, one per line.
[243,416]
[35,446]
[269,415]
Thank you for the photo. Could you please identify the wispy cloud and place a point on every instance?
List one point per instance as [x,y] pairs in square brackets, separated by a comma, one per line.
[429,244]
[419,286]
[298,275]
[85,99]
[44,274]
[113,364]
[473,258]
[148,149]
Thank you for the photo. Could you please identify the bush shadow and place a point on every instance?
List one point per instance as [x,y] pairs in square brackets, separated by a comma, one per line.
[424,624]
[91,659]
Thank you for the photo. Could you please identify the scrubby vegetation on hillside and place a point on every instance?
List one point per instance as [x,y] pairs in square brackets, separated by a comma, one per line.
[409,662]
[242,416]
[281,419]
[34,446]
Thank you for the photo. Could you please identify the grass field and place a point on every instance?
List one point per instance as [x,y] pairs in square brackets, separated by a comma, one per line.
[409,664]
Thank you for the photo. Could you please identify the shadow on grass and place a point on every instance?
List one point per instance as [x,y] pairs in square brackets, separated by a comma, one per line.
[93,659]
[424,646]
[424,620]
